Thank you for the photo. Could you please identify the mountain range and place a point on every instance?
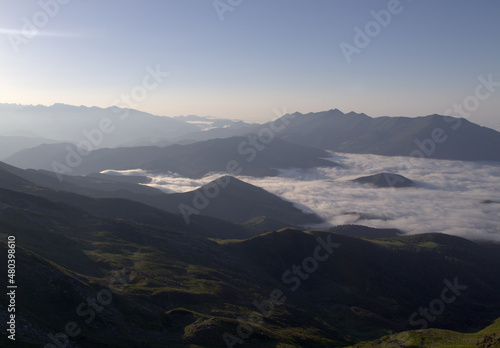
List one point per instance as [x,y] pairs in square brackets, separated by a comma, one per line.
[235,155]
[104,260]
[39,124]
[433,136]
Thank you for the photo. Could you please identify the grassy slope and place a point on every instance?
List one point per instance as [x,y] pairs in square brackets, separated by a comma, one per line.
[182,288]
[70,257]
[488,337]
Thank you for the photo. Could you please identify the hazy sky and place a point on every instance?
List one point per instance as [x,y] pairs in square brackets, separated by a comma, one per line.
[264,54]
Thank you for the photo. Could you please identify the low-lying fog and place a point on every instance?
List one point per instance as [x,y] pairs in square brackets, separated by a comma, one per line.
[454,197]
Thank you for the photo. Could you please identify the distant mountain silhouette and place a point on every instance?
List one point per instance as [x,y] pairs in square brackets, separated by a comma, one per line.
[9,145]
[117,126]
[120,127]
[41,156]
[432,136]
[192,160]
[386,180]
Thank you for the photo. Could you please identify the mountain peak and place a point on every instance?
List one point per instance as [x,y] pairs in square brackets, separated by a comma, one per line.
[386,180]
[353,113]
[238,201]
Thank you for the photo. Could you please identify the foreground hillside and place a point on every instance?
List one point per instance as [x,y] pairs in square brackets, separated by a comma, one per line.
[486,338]
[116,272]
[128,283]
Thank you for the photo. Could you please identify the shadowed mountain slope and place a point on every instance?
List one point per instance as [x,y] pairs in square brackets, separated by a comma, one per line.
[174,287]
[126,209]
[236,155]
[363,289]
[235,201]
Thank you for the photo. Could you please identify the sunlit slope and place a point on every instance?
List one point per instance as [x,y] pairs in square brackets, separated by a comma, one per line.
[488,337]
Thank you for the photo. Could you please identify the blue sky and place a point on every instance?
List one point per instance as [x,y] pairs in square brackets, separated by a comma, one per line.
[264,54]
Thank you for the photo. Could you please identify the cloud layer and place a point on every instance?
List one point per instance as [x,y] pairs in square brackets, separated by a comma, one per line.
[449,195]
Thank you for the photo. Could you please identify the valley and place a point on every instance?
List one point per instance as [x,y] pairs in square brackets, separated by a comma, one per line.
[295,246]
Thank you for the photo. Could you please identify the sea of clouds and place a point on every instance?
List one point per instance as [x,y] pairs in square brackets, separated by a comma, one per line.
[449,195]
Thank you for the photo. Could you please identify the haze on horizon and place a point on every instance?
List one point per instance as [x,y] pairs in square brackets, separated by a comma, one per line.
[244,60]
